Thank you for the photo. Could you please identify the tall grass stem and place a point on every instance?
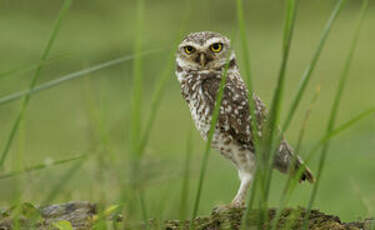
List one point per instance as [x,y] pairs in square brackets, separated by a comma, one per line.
[335,106]
[186,176]
[311,67]
[58,187]
[40,167]
[271,128]
[252,104]
[288,185]
[72,76]
[47,49]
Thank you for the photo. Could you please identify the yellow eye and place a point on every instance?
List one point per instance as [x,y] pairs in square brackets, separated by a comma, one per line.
[189,49]
[216,48]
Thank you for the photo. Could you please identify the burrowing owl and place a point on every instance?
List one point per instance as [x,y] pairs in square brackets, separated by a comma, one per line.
[201,59]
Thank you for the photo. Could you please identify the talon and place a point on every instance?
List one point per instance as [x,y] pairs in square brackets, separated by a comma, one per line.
[221,208]
[224,208]
[238,205]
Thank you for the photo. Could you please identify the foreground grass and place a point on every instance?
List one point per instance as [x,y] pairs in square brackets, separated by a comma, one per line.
[84,216]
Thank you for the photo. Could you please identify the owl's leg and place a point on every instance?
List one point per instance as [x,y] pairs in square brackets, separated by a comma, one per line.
[245,163]
[246,179]
[240,198]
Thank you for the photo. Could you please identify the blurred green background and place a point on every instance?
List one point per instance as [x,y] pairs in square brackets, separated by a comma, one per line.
[91,115]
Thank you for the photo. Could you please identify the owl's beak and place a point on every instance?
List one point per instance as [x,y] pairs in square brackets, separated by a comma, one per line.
[202,59]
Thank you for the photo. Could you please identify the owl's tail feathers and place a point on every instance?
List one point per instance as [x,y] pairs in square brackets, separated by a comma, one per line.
[286,161]
[306,173]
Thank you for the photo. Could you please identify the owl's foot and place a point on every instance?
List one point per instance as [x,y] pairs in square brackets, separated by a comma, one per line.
[227,207]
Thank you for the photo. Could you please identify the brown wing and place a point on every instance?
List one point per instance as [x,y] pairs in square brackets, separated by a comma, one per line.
[234,117]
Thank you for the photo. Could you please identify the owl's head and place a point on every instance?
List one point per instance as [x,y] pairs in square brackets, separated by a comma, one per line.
[203,51]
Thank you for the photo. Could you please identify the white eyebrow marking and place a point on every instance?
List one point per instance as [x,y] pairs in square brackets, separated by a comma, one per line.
[189,43]
[213,40]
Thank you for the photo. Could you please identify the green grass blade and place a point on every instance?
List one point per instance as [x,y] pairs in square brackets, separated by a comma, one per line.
[18,70]
[157,97]
[301,134]
[30,67]
[136,105]
[56,28]
[366,203]
[284,199]
[161,85]
[324,140]
[335,107]
[311,67]
[158,94]
[350,123]
[61,182]
[72,76]
[186,176]
[247,67]
[263,162]
[156,101]
[293,181]
[271,128]
[215,116]
[40,167]
[328,137]
[340,129]
[308,72]
[142,203]
[250,87]
[288,32]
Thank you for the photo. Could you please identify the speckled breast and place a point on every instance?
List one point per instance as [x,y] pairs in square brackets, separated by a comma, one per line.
[199,109]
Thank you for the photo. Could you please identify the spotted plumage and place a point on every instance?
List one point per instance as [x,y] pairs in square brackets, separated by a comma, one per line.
[200,62]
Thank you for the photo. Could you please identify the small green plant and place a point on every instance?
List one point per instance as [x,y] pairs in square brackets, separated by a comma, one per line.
[63,225]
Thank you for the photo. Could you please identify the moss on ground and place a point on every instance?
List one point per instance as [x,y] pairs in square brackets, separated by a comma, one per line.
[291,218]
